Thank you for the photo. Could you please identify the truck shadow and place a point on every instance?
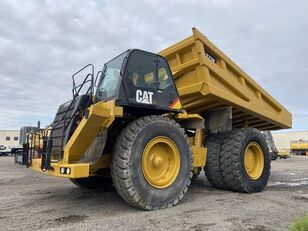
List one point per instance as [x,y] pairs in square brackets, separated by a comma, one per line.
[108,199]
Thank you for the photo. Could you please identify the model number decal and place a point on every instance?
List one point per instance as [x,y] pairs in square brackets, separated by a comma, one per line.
[145,97]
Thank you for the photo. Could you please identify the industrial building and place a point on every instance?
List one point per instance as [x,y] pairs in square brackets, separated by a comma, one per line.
[283,140]
[15,138]
[9,138]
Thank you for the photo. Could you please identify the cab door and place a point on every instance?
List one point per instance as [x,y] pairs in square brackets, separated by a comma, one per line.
[140,77]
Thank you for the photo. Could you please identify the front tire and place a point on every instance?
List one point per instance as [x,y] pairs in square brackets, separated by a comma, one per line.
[152,163]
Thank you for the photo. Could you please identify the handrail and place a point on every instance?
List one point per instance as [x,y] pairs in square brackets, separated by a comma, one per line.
[75,90]
[91,73]
[32,146]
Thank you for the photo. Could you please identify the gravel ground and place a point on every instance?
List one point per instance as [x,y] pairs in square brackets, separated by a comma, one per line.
[31,201]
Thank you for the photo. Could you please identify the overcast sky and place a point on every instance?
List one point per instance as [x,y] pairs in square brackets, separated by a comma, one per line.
[43,42]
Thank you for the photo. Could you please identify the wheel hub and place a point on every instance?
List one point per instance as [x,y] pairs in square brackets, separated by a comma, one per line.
[254,160]
[157,161]
[160,162]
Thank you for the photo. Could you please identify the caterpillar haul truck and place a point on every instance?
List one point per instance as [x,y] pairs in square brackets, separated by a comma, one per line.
[151,121]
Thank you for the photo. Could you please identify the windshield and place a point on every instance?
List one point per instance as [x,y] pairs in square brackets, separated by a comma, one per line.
[110,78]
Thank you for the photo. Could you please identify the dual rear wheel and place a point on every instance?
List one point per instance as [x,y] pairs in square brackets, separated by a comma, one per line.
[238,160]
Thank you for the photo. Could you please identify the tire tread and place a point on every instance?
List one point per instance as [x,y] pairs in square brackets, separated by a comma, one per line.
[119,167]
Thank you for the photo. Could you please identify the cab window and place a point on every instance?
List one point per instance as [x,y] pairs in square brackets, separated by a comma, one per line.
[164,75]
[141,69]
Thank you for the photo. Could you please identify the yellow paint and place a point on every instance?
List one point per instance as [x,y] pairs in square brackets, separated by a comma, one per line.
[192,121]
[78,170]
[284,154]
[100,115]
[191,140]
[184,115]
[204,84]
[176,104]
[254,160]
[103,162]
[198,138]
[299,146]
[160,162]
[199,154]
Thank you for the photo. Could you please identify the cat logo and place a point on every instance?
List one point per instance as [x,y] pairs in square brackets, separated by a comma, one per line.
[144,97]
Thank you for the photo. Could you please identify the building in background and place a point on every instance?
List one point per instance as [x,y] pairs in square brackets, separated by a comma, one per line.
[9,138]
[283,140]
[16,138]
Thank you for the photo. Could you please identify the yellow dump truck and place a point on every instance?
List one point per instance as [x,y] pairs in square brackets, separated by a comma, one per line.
[299,147]
[147,122]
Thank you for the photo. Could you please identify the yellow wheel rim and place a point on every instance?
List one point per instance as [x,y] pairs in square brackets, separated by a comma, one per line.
[254,160]
[161,162]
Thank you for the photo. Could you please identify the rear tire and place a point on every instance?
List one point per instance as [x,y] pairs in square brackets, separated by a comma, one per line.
[237,174]
[94,182]
[212,167]
[128,171]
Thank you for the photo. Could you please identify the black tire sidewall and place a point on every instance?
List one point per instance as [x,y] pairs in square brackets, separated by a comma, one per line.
[259,184]
[149,194]
[212,167]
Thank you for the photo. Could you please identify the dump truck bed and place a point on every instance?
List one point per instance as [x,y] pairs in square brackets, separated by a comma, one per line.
[208,80]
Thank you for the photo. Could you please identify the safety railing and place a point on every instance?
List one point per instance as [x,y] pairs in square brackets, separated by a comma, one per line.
[33,147]
[46,156]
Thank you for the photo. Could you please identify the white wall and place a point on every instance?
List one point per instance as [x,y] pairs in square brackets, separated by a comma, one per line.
[9,133]
[282,140]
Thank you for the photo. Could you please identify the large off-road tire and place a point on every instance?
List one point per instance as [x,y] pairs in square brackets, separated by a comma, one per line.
[94,182]
[152,163]
[212,167]
[245,160]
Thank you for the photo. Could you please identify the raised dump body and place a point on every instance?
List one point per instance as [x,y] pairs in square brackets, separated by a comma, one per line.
[208,80]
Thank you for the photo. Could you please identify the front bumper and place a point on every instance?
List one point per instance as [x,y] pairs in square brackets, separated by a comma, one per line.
[76,170]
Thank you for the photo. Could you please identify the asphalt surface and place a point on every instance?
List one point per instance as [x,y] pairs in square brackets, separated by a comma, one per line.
[32,201]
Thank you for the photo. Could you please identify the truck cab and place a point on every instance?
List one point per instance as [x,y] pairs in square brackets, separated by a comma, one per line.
[139,80]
